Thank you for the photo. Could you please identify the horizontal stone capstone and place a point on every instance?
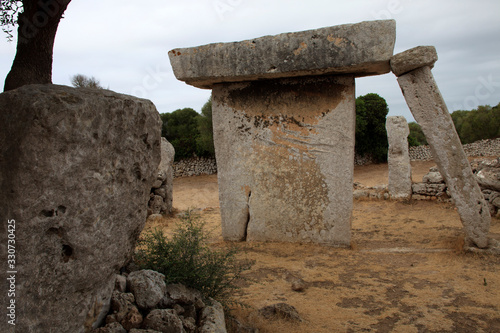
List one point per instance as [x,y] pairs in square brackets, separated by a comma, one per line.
[359,49]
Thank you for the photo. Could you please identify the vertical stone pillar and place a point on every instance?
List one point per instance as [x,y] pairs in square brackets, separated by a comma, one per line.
[399,158]
[413,68]
[285,151]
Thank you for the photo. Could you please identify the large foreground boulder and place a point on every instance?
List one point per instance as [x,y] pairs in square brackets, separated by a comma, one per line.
[76,170]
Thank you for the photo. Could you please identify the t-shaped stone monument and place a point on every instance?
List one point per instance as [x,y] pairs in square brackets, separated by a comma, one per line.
[284,118]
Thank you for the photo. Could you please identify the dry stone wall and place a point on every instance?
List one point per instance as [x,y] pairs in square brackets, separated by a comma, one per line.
[490,147]
[195,166]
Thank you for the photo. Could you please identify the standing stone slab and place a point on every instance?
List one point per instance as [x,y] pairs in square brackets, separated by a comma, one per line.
[76,169]
[360,49]
[399,158]
[429,109]
[285,152]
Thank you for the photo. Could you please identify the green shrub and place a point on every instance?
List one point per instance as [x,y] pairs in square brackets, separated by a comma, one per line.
[188,259]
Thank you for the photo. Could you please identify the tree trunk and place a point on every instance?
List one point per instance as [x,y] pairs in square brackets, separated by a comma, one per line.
[37,27]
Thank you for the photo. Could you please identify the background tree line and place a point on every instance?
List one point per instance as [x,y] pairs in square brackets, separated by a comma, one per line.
[191,133]
[478,124]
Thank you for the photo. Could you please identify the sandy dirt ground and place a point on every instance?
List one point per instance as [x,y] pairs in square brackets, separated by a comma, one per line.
[405,271]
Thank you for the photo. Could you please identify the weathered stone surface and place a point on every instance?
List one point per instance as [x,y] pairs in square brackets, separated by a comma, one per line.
[433,177]
[156,205]
[489,178]
[359,49]
[76,169]
[163,320]
[147,286]
[121,304]
[299,285]
[161,196]
[398,158]
[409,60]
[143,331]
[429,110]
[111,328]
[166,172]
[429,189]
[281,310]
[212,319]
[181,294]
[133,319]
[120,283]
[285,152]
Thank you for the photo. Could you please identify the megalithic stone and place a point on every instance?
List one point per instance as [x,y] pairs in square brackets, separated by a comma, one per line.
[413,68]
[284,123]
[398,158]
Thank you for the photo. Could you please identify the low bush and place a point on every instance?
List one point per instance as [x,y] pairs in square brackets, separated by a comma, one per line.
[188,259]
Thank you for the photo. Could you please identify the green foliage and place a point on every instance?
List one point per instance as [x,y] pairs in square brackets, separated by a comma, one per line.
[416,137]
[8,16]
[479,124]
[180,128]
[190,133]
[205,142]
[187,258]
[371,135]
[82,81]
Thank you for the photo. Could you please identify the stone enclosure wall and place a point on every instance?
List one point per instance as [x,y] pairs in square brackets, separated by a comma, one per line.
[489,147]
[196,166]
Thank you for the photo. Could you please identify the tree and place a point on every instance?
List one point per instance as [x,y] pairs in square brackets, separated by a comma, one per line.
[417,136]
[180,128]
[82,81]
[371,135]
[205,142]
[37,22]
[479,124]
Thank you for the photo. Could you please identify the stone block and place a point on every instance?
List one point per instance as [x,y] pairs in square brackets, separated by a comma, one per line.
[359,49]
[76,170]
[285,154]
[398,158]
[430,111]
[433,177]
[409,60]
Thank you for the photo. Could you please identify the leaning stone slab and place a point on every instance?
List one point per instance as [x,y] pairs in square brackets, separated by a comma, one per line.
[398,158]
[76,169]
[430,111]
[359,49]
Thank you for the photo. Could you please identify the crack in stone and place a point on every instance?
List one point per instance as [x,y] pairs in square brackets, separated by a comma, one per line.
[248,216]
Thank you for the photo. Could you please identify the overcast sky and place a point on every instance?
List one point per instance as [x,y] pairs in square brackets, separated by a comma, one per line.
[124,43]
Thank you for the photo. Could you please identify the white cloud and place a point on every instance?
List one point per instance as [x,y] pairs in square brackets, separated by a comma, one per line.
[124,43]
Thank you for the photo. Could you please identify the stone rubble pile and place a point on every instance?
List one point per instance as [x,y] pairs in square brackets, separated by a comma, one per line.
[143,303]
[432,187]
[366,192]
[195,166]
[486,172]
[490,147]
[160,198]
